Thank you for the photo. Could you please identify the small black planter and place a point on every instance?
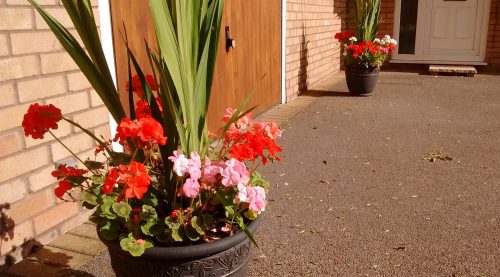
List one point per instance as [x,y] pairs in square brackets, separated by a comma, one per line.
[361,81]
[226,257]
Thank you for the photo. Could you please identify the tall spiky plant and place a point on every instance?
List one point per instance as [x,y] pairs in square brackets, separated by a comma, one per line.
[366,18]
[187,35]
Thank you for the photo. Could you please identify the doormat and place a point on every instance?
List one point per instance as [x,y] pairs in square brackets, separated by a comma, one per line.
[454,70]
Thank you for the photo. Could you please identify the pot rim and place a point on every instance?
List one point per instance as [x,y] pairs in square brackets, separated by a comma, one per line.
[190,251]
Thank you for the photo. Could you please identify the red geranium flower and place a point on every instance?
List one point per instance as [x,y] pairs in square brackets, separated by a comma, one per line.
[63,187]
[251,145]
[142,108]
[344,35]
[135,178]
[137,86]
[39,119]
[110,181]
[64,171]
[141,131]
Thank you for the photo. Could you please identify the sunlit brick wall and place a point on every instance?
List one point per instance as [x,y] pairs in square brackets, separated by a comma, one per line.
[387,15]
[35,68]
[311,51]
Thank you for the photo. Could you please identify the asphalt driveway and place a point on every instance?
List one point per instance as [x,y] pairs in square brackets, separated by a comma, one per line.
[354,197]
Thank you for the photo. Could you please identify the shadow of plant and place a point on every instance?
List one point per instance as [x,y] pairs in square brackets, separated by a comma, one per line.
[302,74]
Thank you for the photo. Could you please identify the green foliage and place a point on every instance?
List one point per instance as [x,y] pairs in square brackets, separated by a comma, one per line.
[106,208]
[257,180]
[135,247]
[148,213]
[250,214]
[122,209]
[174,229]
[89,57]
[110,230]
[366,18]
[89,198]
[188,32]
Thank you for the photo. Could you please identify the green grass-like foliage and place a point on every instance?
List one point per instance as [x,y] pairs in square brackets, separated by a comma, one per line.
[187,35]
[366,18]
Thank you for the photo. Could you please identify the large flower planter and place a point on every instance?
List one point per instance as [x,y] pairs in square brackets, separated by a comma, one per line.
[227,257]
[361,81]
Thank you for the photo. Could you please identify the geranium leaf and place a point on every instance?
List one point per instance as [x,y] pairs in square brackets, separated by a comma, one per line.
[88,198]
[106,208]
[191,233]
[251,214]
[257,180]
[148,213]
[122,209]
[97,179]
[175,229]
[109,231]
[243,227]
[196,223]
[147,228]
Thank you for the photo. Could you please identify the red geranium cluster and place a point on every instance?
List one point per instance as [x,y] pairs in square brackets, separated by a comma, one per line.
[39,119]
[137,86]
[145,130]
[66,176]
[344,35]
[367,54]
[254,143]
[373,48]
[134,178]
[142,108]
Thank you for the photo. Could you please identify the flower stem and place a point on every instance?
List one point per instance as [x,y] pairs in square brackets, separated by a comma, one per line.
[72,153]
[89,134]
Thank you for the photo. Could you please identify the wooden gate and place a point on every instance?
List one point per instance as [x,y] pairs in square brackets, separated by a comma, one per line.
[255,61]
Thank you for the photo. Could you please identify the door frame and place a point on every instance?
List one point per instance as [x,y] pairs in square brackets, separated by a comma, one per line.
[420,57]
[283,51]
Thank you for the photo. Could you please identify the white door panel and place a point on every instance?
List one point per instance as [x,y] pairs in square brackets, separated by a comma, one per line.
[449,30]
[452,27]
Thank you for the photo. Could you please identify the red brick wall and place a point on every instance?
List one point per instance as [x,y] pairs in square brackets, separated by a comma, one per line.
[35,68]
[311,51]
[387,15]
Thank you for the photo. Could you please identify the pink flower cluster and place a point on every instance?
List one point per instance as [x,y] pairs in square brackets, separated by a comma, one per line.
[240,124]
[232,173]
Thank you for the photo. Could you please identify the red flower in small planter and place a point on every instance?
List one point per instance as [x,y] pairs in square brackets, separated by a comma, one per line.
[344,35]
[39,119]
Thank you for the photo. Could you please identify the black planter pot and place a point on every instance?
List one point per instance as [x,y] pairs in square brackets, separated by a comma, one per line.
[361,81]
[226,257]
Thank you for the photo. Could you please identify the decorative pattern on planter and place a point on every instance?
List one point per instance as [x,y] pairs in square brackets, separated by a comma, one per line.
[231,262]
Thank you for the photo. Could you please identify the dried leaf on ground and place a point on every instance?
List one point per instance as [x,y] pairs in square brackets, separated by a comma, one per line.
[438,155]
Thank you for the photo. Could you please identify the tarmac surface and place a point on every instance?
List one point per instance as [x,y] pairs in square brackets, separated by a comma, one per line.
[353,195]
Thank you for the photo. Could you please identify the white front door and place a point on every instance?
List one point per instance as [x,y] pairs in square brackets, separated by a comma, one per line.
[448,31]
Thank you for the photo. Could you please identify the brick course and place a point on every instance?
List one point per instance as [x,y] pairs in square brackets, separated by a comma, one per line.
[35,68]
